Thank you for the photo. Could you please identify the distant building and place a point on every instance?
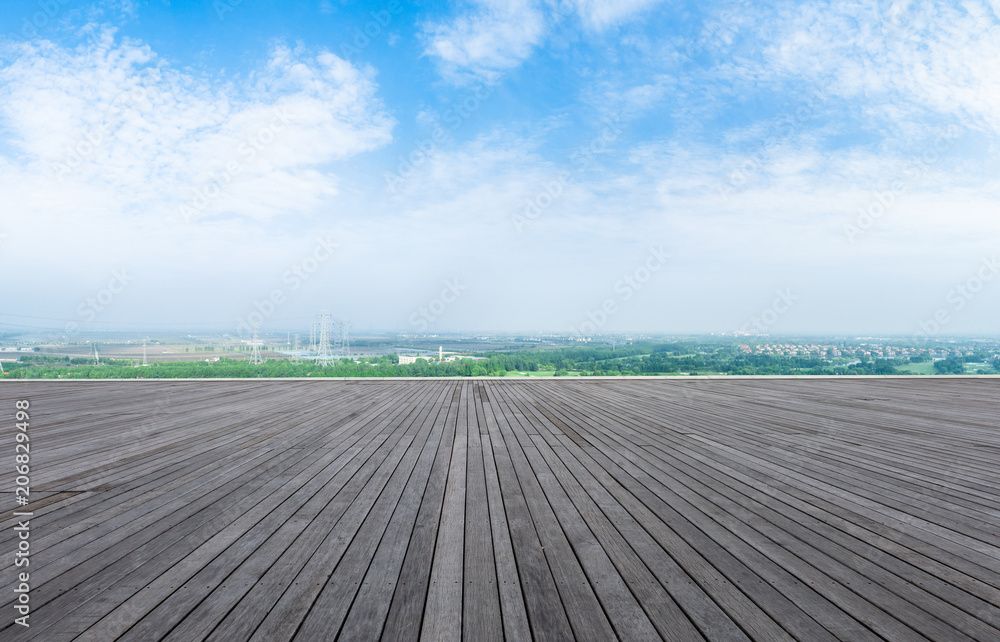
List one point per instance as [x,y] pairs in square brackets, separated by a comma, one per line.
[407,358]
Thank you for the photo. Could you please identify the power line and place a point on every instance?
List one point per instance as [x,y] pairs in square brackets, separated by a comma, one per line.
[30,327]
[142,323]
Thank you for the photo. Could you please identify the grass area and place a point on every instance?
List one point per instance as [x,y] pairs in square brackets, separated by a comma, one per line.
[578,373]
[541,373]
[925,368]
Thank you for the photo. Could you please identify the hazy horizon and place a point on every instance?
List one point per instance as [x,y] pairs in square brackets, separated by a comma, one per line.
[639,166]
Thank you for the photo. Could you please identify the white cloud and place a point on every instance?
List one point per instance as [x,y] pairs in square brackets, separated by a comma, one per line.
[599,15]
[111,123]
[169,132]
[126,7]
[495,36]
[104,143]
[906,63]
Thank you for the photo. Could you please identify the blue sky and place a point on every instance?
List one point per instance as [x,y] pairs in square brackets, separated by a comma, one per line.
[838,157]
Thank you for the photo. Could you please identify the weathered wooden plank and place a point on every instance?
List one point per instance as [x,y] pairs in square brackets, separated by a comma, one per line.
[371,606]
[776,591]
[203,619]
[330,607]
[512,607]
[246,616]
[405,616]
[442,618]
[621,581]
[583,608]
[543,605]
[332,532]
[383,455]
[481,619]
[547,509]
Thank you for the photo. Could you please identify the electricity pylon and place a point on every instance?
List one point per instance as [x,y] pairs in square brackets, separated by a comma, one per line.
[345,342]
[255,357]
[323,357]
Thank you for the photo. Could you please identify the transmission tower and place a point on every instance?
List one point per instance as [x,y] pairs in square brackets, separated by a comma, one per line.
[255,358]
[323,356]
[345,341]
[97,357]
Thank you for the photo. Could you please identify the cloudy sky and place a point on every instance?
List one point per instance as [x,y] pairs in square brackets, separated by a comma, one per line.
[590,164]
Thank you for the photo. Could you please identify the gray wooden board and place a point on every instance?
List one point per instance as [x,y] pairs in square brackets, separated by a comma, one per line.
[514,614]
[586,613]
[367,617]
[442,618]
[768,509]
[330,607]
[543,606]
[270,473]
[405,611]
[481,618]
[198,623]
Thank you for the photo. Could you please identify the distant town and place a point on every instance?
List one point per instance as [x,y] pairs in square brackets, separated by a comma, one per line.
[182,355]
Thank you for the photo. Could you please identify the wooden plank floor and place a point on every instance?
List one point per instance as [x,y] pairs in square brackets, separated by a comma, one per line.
[639,509]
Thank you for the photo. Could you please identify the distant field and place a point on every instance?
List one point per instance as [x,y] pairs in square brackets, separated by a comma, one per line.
[577,373]
[541,373]
[154,353]
[925,368]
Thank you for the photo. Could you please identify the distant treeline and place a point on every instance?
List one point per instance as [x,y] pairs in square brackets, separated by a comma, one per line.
[641,358]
